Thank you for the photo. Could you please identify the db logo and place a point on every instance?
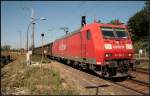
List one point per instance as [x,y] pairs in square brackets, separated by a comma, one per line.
[62,47]
[118,47]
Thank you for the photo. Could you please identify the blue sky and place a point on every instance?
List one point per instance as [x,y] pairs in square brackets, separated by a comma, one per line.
[15,17]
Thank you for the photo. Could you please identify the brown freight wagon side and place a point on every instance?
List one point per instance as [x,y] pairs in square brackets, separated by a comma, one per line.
[47,50]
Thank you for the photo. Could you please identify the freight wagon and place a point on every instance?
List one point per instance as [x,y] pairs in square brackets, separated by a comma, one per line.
[47,49]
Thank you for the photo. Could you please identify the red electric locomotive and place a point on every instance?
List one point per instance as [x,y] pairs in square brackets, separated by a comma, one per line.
[104,48]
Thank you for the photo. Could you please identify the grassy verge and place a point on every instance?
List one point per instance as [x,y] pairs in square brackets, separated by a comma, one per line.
[38,58]
[43,81]
[33,80]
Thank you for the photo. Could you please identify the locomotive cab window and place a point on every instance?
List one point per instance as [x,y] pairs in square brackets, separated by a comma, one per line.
[107,32]
[121,33]
[88,35]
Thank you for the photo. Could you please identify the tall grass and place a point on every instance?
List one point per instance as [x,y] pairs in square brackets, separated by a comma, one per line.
[37,80]
[48,79]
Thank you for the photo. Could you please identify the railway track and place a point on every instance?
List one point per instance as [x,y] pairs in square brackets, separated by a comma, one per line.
[135,85]
[137,81]
[140,75]
[141,70]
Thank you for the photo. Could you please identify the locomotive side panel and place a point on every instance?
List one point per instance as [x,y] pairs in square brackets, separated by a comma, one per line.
[73,47]
[68,47]
[78,46]
[87,47]
[98,44]
[55,50]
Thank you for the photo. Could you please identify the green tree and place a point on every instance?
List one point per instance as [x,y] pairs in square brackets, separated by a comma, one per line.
[138,24]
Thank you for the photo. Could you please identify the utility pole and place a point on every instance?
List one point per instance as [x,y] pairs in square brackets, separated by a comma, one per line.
[32,23]
[42,35]
[32,18]
[27,41]
[20,41]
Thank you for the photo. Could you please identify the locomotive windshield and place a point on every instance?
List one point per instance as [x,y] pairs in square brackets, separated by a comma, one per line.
[109,32]
[121,33]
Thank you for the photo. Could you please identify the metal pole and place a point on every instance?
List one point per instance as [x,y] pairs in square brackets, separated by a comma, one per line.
[32,22]
[27,39]
[42,46]
[32,29]
[27,35]
[33,36]
[20,41]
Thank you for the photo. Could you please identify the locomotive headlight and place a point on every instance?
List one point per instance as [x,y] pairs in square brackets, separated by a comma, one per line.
[129,54]
[108,46]
[108,55]
[129,46]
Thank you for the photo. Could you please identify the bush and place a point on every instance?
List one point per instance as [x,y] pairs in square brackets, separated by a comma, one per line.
[141,44]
